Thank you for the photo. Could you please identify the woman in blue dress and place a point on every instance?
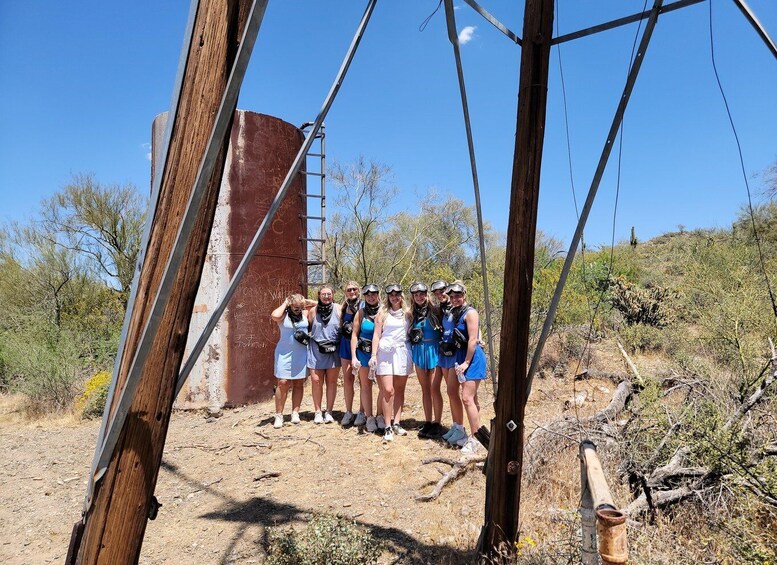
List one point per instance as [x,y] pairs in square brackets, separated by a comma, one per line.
[291,355]
[361,349]
[461,336]
[424,336]
[349,307]
[323,352]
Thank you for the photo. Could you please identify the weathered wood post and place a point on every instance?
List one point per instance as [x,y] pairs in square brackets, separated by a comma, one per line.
[505,459]
[115,524]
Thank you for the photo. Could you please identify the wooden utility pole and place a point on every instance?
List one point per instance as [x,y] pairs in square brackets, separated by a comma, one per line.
[505,458]
[116,522]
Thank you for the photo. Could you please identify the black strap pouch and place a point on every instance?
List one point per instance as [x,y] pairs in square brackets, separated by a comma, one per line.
[302,336]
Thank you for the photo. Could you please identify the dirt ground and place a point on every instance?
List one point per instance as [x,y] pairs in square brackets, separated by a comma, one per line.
[219,500]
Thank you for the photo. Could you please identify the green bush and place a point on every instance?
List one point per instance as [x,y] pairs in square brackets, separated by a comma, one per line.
[333,540]
[44,365]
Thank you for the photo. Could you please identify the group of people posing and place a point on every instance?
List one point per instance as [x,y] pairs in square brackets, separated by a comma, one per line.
[381,341]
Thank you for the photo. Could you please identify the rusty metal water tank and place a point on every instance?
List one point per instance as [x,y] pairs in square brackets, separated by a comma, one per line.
[236,366]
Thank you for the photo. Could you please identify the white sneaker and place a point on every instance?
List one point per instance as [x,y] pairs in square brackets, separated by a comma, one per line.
[295,418]
[399,430]
[388,435]
[381,422]
[318,418]
[278,423]
[460,433]
[347,417]
[361,419]
[328,419]
[371,424]
[472,447]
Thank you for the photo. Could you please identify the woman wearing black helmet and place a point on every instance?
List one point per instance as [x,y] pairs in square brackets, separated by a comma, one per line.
[391,358]
[349,308]
[361,350]
[424,336]
[323,357]
[438,289]
[460,343]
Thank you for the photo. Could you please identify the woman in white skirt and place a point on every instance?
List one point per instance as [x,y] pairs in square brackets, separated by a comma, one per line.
[291,355]
[391,358]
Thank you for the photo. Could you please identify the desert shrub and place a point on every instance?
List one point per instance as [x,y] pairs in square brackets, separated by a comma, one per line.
[325,539]
[95,395]
[44,365]
[641,338]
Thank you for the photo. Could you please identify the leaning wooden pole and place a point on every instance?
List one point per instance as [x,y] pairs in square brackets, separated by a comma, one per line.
[505,458]
[116,521]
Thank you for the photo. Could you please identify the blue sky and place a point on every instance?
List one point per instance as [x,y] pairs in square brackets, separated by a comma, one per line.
[82,82]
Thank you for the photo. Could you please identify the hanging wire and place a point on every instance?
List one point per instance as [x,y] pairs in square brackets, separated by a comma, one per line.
[428,18]
[603,290]
[744,173]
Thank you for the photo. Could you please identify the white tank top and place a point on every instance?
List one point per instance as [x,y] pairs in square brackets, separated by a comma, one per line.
[394,332]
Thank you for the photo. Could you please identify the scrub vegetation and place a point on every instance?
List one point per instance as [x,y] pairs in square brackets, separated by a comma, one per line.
[692,453]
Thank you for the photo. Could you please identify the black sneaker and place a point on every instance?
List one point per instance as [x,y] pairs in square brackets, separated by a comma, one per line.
[437,430]
[423,433]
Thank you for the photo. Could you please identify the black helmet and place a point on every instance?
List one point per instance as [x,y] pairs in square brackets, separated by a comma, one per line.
[418,287]
[393,288]
[439,285]
[370,288]
[455,287]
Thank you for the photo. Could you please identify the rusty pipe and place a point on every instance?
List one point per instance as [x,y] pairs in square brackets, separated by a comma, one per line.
[596,500]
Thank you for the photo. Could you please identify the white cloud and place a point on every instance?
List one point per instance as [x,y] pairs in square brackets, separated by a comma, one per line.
[466,35]
[147,147]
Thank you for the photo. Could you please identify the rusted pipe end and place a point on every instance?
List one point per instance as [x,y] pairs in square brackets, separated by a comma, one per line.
[611,532]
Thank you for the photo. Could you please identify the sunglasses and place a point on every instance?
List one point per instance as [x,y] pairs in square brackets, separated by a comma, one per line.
[395,293]
[353,289]
[370,292]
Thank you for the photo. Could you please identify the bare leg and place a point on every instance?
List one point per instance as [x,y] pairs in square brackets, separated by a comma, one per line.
[425,380]
[280,395]
[436,394]
[454,398]
[379,401]
[298,389]
[386,384]
[469,396]
[365,391]
[331,387]
[400,382]
[348,378]
[317,386]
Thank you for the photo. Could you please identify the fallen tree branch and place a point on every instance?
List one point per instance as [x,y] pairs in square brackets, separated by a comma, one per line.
[637,377]
[549,440]
[757,395]
[458,468]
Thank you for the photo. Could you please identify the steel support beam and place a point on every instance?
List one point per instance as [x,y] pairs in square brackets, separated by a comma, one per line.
[222,122]
[608,145]
[295,168]
[454,39]
[622,21]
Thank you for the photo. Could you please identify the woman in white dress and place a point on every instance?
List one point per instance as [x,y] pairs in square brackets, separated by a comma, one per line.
[291,355]
[391,358]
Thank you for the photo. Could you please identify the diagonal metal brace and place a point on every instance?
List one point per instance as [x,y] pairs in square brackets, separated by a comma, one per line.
[223,119]
[493,21]
[450,19]
[276,203]
[608,145]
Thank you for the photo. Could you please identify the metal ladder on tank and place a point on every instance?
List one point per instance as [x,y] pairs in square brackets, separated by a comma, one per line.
[314,242]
